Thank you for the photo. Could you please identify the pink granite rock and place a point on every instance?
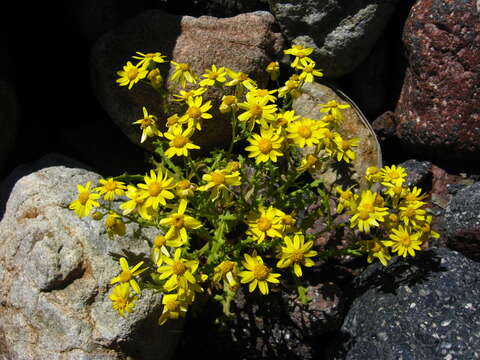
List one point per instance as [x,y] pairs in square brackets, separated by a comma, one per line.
[438,111]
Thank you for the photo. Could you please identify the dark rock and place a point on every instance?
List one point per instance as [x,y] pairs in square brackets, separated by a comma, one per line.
[425,307]
[385,126]
[462,221]
[419,173]
[438,108]
[341,33]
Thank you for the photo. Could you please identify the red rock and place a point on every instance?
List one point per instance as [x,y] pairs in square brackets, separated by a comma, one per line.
[438,111]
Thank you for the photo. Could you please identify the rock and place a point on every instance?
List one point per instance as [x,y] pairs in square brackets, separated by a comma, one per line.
[419,173]
[200,42]
[342,34]
[55,270]
[354,125]
[425,307]
[462,221]
[438,110]
[275,326]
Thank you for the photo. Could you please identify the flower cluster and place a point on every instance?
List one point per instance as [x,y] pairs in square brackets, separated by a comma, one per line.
[232,219]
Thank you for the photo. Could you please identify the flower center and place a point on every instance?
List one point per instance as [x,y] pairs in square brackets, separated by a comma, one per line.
[308,69]
[218,178]
[345,144]
[376,247]
[180,141]
[260,272]
[172,120]
[132,73]
[226,266]
[288,220]
[409,212]
[194,112]
[121,303]
[83,197]
[256,110]
[297,255]
[262,92]
[125,276]
[394,174]
[183,185]
[159,241]
[264,224]
[265,146]
[178,221]
[404,240]
[184,67]
[229,100]
[304,131]
[172,305]
[146,122]
[178,267]
[213,75]
[110,185]
[154,188]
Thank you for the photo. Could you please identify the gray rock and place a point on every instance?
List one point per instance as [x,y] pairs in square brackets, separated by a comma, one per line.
[342,33]
[426,307]
[462,221]
[55,270]
[419,173]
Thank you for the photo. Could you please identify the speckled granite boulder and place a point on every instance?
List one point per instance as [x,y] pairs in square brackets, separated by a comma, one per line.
[55,270]
[427,307]
[438,110]
[342,33]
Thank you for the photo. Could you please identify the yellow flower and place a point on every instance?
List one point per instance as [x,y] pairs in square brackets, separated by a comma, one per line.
[173,120]
[296,252]
[265,224]
[345,198]
[274,70]
[344,148]
[180,142]
[309,162]
[213,76]
[257,273]
[185,188]
[291,87]
[127,275]
[334,108]
[85,202]
[265,147]
[256,110]
[393,174]
[146,59]
[414,195]
[136,203]
[229,103]
[173,308]
[367,214]
[111,188]
[376,248]
[159,250]
[239,78]
[305,132]
[403,242]
[185,95]
[285,118]
[227,270]
[287,221]
[183,74]
[195,112]
[301,54]
[179,223]
[373,175]
[148,125]
[412,214]
[264,93]
[178,271]
[115,225]
[309,72]
[130,75]
[156,79]
[156,188]
[220,180]
[121,299]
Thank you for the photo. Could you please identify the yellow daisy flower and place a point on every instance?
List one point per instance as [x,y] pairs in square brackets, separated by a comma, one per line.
[265,147]
[173,308]
[305,132]
[412,214]
[239,78]
[179,223]
[136,203]
[265,224]
[257,274]
[148,125]
[86,200]
[180,142]
[345,198]
[214,75]
[156,188]
[130,75]
[334,108]
[185,188]
[373,175]
[264,93]
[227,270]
[155,78]
[121,299]
[178,271]
[229,103]
[291,87]
[183,74]
[309,72]
[367,214]
[256,110]
[344,147]
[301,54]
[111,188]
[220,180]
[127,275]
[296,252]
[403,242]
[146,59]
[114,225]
[196,111]
[185,95]
[376,248]
[273,69]
[393,175]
